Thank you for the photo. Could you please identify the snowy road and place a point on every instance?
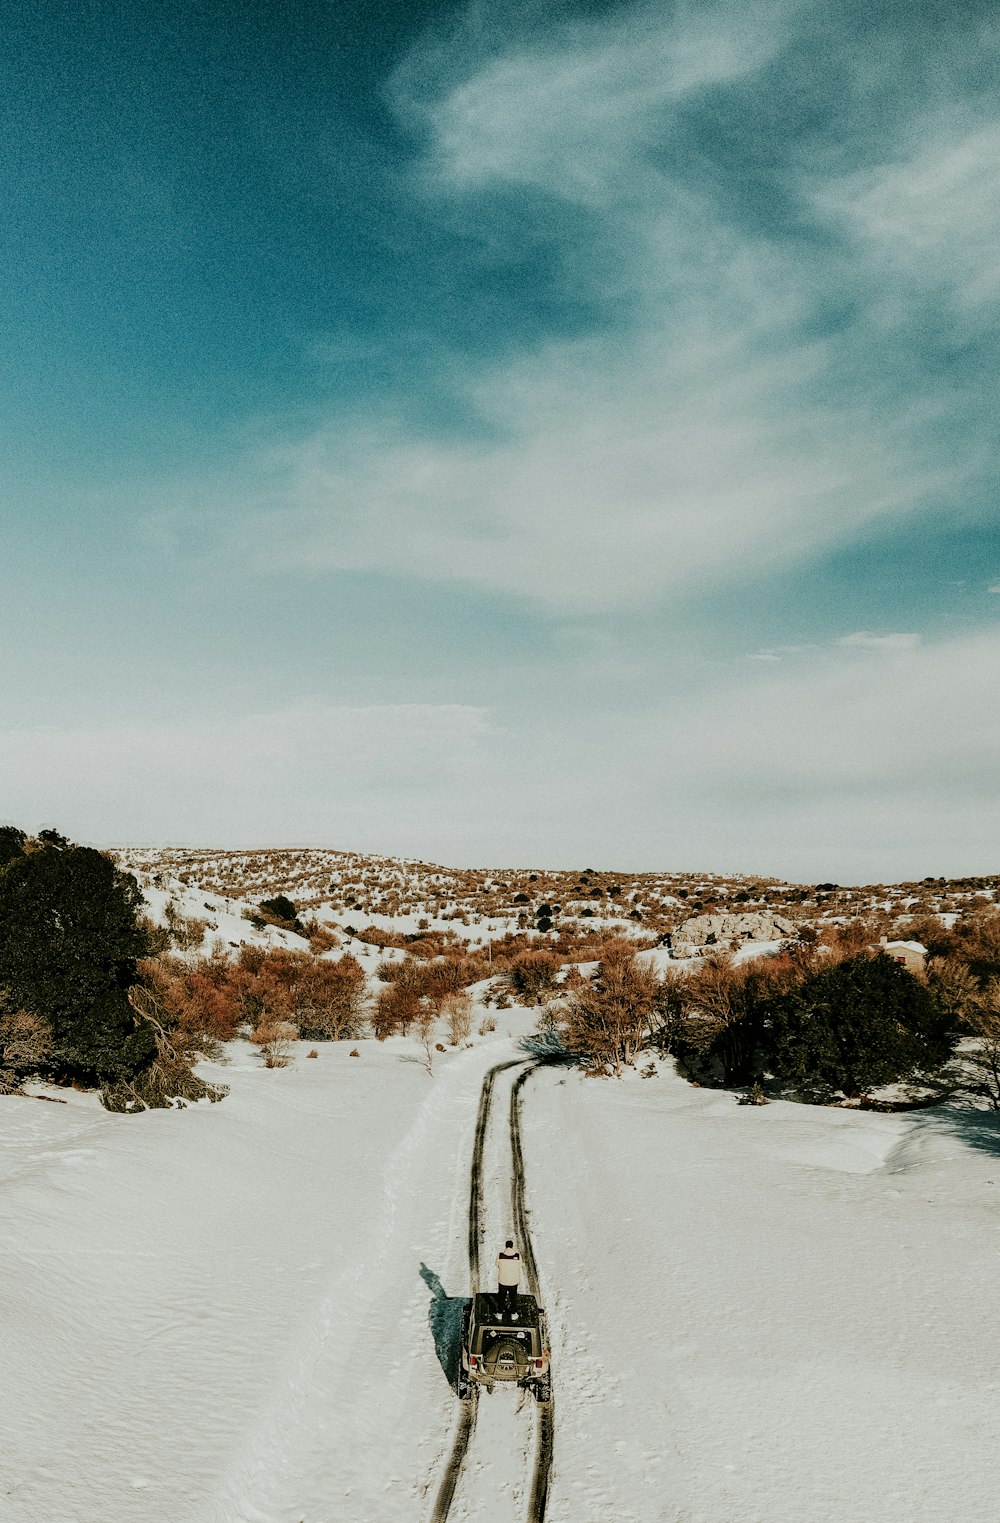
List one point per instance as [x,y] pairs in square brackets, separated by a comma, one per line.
[496,1484]
[248,1313]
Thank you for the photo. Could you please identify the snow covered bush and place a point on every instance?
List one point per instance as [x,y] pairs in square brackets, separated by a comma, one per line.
[983,1060]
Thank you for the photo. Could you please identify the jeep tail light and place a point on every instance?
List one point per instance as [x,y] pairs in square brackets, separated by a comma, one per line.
[473,1361]
[538,1364]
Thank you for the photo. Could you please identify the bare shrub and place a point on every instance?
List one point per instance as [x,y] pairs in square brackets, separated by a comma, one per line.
[170,1080]
[396,1008]
[609,1019]
[954,987]
[426,1041]
[457,1011]
[322,938]
[157,936]
[713,1019]
[487,1025]
[185,931]
[328,999]
[532,974]
[275,1040]
[977,939]
[25,1046]
[982,1060]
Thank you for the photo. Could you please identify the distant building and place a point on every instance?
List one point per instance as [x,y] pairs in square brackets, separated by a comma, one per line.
[912,954]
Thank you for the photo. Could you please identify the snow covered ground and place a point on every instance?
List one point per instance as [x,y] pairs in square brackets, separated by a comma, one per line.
[766,1314]
[228,1314]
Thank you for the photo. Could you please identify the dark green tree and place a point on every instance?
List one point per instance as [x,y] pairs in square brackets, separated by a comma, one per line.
[854,1027]
[70,935]
[281,907]
[11,843]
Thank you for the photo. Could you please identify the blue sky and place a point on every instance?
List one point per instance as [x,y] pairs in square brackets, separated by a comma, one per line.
[505,434]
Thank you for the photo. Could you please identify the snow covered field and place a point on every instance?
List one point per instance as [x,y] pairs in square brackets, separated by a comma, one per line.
[227,1314]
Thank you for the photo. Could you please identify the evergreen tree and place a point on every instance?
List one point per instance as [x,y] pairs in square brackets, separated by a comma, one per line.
[11,843]
[856,1026]
[70,935]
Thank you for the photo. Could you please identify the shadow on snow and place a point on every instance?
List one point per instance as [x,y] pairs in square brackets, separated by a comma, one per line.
[977,1129]
[445,1315]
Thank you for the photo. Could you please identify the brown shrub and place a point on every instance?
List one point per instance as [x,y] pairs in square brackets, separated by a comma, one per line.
[184,931]
[610,1018]
[275,1040]
[327,1001]
[194,997]
[457,1011]
[711,1019]
[25,1046]
[396,1008]
[977,939]
[322,938]
[532,974]
[216,995]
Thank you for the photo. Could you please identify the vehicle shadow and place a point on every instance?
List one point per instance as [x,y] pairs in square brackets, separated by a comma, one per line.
[445,1315]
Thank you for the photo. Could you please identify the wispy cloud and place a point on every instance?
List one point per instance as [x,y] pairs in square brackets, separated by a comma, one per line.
[930,213]
[562,112]
[714,431]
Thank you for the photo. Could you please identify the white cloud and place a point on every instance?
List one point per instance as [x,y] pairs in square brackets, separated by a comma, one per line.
[562,112]
[308,772]
[617,479]
[917,719]
[828,766]
[932,213]
[862,639]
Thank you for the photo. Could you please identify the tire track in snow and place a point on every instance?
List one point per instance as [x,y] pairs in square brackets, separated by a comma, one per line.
[546,1410]
[467,1414]
[466,1425]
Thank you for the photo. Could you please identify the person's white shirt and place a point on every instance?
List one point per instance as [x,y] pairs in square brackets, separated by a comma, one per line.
[509,1267]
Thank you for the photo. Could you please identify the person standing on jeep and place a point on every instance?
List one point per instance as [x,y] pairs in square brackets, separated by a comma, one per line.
[508,1274]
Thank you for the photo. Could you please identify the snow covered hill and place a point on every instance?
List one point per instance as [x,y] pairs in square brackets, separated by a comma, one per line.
[227,1314]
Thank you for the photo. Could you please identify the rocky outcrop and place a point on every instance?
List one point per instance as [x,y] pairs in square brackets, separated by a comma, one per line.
[729,930]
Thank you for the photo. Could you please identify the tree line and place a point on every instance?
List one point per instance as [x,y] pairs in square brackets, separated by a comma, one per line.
[816,1022]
